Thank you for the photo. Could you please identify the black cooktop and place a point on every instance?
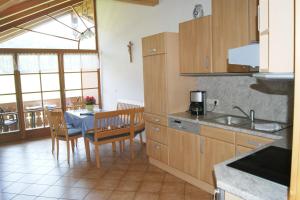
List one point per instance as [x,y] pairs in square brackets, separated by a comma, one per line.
[272,163]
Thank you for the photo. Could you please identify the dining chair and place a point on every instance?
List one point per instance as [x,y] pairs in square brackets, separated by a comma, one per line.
[110,127]
[62,132]
[7,120]
[121,105]
[51,126]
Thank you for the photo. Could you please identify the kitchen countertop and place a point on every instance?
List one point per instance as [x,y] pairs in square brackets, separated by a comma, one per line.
[236,182]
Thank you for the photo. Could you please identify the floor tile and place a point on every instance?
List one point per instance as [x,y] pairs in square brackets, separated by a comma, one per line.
[146,196]
[48,180]
[154,176]
[26,173]
[85,183]
[98,195]
[16,188]
[75,193]
[117,195]
[13,177]
[150,186]
[128,186]
[35,190]
[66,181]
[23,197]
[45,198]
[54,192]
[173,187]
[6,196]
[30,178]
[107,184]
[172,196]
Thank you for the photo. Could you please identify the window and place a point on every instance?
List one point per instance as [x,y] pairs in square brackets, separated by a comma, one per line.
[9,119]
[81,74]
[73,28]
[40,86]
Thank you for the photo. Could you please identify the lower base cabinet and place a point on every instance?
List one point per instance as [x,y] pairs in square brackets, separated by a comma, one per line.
[184,152]
[212,152]
[157,151]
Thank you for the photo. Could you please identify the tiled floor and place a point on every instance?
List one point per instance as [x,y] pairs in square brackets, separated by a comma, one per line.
[29,171]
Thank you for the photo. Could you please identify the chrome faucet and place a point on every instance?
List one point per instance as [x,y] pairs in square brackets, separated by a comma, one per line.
[251,116]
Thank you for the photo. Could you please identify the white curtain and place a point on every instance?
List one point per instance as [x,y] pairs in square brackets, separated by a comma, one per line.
[35,63]
[76,62]
[6,64]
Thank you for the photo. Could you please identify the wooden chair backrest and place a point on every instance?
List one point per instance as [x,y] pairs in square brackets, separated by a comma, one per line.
[113,123]
[124,106]
[59,124]
[139,123]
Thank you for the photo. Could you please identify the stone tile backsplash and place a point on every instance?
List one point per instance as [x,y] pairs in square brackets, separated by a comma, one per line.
[271,99]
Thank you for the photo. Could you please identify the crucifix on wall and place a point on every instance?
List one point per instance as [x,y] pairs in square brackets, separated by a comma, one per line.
[130,44]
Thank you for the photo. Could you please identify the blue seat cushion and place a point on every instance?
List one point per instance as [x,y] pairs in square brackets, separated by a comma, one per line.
[91,137]
[69,126]
[74,131]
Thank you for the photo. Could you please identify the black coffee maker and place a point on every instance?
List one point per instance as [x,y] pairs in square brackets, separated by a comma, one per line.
[198,102]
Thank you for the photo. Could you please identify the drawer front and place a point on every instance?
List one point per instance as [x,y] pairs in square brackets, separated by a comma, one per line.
[153,45]
[156,119]
[240,150]
[157,151]
[184,125]
[156,132]
[218,133]
[251,141]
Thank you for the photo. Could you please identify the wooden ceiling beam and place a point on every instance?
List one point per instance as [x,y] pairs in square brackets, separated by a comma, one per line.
[36,13]
[142,2]
[20,7]
[5,4]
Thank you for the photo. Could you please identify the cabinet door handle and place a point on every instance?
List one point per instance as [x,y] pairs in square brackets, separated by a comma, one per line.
[152,50]
[157,120]
[157,147]
[206,65]
[202,145]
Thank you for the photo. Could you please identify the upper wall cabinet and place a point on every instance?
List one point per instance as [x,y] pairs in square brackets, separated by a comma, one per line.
[195,46]
[276,32]
[204,42]
[232,24]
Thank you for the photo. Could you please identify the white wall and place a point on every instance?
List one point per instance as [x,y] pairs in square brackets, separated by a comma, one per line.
[119,23]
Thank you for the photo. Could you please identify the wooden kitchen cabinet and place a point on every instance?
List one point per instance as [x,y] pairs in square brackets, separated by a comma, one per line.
[157,151]
[165,90]
[251,141]
[212,152]
[276,32]
[204,42]
[195,40]
[155,84]
[176,148]
[216,145]
[240,150]
[230,29]
[184,152]
[156,132]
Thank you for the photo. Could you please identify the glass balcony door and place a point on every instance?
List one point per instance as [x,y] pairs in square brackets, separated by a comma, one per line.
[40,87]
[9,118]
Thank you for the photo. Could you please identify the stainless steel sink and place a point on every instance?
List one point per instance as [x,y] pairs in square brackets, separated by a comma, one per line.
[231,120]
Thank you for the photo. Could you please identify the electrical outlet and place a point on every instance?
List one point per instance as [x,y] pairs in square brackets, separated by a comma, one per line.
[213,102]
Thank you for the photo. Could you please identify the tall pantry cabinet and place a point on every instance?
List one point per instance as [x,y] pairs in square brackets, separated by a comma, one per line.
[165,90]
